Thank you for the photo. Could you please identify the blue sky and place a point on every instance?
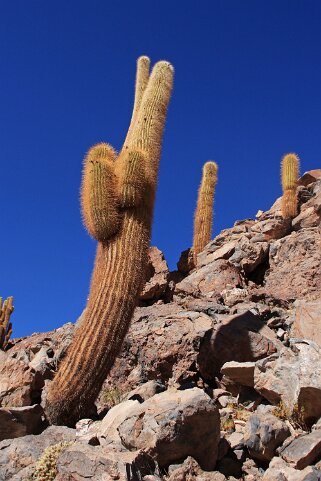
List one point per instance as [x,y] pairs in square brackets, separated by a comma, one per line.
[247,90]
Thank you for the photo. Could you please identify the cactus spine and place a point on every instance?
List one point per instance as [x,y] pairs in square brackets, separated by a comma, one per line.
[203,219]
[290,173]
[6,309]
[117,203]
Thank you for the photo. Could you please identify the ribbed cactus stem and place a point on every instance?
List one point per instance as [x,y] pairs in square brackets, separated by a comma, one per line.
[121,260]
[203,219]
[290,166]
[6,309]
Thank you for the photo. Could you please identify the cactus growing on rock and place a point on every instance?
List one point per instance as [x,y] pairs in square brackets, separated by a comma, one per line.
[203,219]
[117,202]
[6,309]
[290,174]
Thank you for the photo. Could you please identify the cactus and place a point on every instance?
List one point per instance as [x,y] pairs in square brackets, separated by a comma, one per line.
[117,203]
[46,466]
[203,219]
[290,172]
[6,309]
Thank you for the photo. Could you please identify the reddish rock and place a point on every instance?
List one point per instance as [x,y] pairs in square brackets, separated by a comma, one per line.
[157,276]
[307,321]
[303,451]
[186,262]
[279,470]
[242,338]
[239,372]
[295,267]
[17,422]
[209,281]
[309,177]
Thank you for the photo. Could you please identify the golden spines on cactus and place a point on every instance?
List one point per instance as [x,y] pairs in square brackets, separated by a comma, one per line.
[290,166]
[203,219]
[6,309]
[122,258]
[98,193]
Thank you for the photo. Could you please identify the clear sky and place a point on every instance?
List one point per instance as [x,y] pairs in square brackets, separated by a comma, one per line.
[247,90]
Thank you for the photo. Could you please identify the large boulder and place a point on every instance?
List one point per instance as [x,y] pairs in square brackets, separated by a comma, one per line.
[295,267]
[292,376]
[169,426]
[263,434]
[16,422]
[307,320]
[242,337]
[303,451]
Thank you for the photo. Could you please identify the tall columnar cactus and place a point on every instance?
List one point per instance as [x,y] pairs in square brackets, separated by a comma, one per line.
[290,173]
[117,204]
[204,210]
[6,309]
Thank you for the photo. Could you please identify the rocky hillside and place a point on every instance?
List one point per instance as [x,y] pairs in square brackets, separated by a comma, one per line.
[219,377]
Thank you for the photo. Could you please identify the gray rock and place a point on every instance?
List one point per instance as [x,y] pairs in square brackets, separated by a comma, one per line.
[303,451]
[279,470]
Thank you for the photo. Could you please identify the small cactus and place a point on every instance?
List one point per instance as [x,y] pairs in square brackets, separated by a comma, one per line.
[203,219]
[290,174]
[46,467]
[6,309]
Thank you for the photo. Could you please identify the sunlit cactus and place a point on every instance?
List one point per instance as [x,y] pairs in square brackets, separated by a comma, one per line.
[203,219]
[290,173]
[117,202]
[6,309]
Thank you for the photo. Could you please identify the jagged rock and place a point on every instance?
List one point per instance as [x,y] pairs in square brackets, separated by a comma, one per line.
[279,470]
[307,320]
[186,262]
[209,281]
[242,338]
[157,276]
[18,454]
[162,344]
[95,463]
[293,377]
[303,451]
[191,471]
[17,422]
[146,391]
[309,177]
[263,434]
[25,367]
[240,372]
[248,255]
[295,266]
[172,425]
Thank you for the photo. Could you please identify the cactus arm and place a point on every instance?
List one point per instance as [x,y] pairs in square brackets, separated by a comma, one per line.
[99,193]
[131,173]
[203,219]
[289,177]
[119,267]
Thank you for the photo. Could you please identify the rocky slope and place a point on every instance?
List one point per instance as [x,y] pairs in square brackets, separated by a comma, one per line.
[219,376]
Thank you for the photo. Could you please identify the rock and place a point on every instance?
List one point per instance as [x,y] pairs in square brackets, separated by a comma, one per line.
[191,471]
[303,451]
[248,255]
[25,366]
[162,344]
[173,425]
[18,454]
[223,252]
[293,377]
[95,463]
[240,372]
[295,267]
[263,434]
[146,391]
[157,276]
[209,281]
[186,262]
[307,320]
[16,422]
[309,177]
[242,338]
[279,470]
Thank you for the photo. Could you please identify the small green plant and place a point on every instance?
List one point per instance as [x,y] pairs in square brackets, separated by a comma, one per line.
[296,415]
[112,396]
[46,467]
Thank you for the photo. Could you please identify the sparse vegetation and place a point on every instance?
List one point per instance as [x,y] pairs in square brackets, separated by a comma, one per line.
[295,415]
[46,467]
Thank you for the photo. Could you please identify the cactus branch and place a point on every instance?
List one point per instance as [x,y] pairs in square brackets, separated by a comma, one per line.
[289,176]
